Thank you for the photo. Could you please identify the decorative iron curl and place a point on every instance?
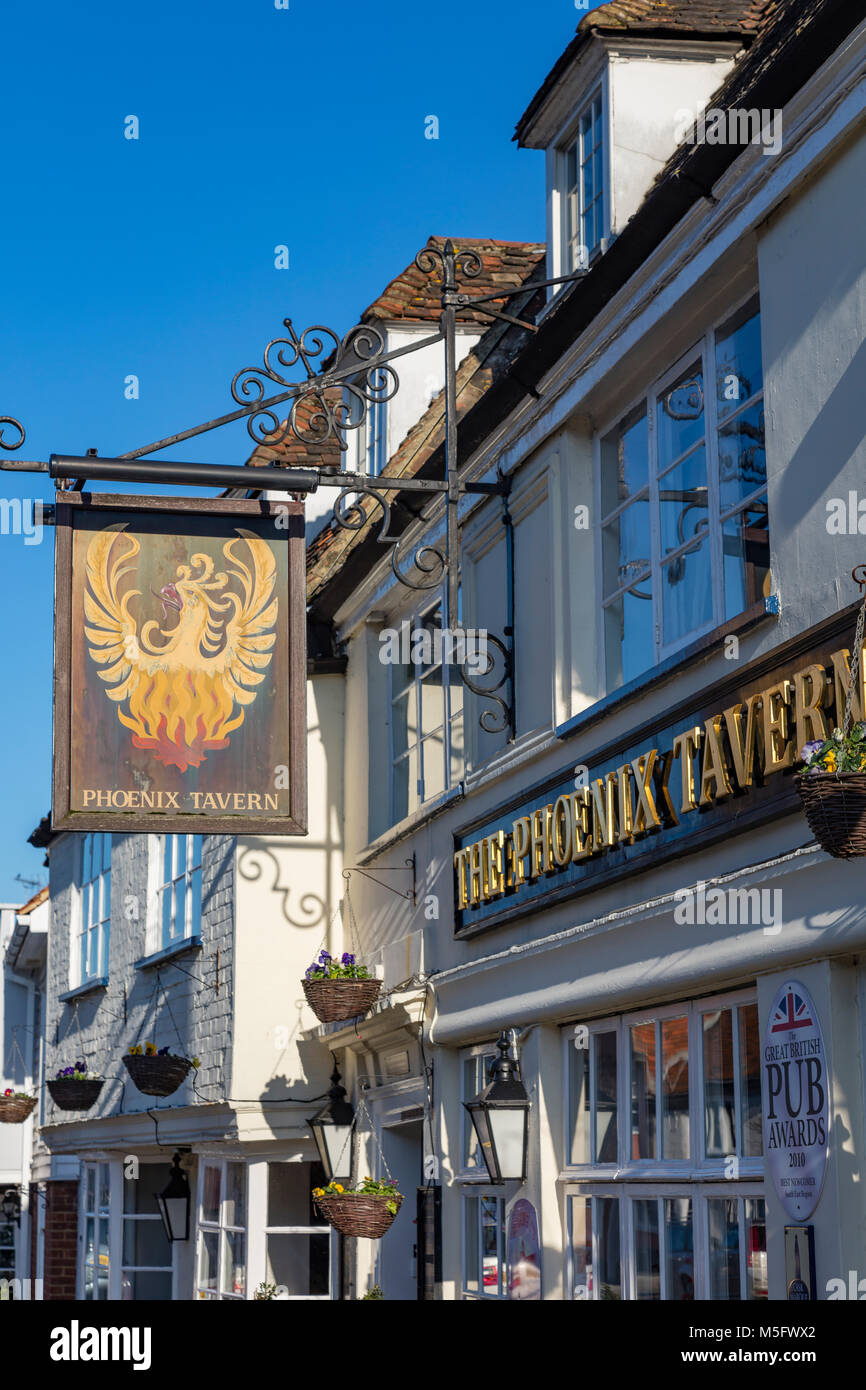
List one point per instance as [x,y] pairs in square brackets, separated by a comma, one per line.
[427,559]
[491,720]
[331,414]
[8,420]
[432,258]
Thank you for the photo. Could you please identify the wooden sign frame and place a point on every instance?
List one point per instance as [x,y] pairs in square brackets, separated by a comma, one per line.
[287,528]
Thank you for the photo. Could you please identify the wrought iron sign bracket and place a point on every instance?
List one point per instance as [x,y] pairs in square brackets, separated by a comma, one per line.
[408,868]
[354,373]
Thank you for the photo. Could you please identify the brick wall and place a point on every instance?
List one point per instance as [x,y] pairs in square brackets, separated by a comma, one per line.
[130,1009]
[61,1236]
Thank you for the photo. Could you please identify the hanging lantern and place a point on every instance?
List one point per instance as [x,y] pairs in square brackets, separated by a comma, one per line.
[500,1115]
[332,1131]
[11,1205]
[174,1203]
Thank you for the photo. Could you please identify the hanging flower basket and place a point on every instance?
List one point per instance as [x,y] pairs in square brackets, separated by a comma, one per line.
[835,807]
[75,1088]
[339,989]
[157,1073]
[368,1213]
[832,789]
[15,1106]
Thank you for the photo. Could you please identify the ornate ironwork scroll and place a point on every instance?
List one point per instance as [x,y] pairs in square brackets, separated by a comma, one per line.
[16,425]
[429,560]
[493,721]
[331,401]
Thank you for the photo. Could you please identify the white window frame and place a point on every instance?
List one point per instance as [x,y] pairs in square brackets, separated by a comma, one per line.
[259,1230]
[92,1168]
[84,921]
[450,717]
[220,1228]
[477,1193]
[628,1193]
[159,885]
[697,1177]
[703,349]
[573,252]
[697,1167]
[116,1218]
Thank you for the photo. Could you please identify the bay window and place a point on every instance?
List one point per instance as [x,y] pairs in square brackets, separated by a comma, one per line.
[683,489]
[663,1147]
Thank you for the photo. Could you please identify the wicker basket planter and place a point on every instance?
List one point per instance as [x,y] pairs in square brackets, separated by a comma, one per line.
[359,1214]
[15,1109]
[157,1076]
[332,1001]
[835,807]
[71,1094]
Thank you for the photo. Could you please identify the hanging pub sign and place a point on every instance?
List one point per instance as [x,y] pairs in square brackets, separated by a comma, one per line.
[795,1101]
[179,665]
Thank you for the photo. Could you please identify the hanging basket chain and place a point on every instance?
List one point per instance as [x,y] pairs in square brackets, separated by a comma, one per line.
[854,672]
[353,925]
[152,1000]
[362,1109]
[168,1006]
[16,1047]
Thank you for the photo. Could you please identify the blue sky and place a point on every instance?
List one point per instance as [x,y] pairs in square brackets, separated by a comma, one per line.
[258,127]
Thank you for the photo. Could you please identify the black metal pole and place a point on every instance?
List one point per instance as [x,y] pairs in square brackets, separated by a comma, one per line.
[190,474]
[452,535]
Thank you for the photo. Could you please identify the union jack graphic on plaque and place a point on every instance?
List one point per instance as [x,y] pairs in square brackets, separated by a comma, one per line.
[179,665]
[791,1012]
[796,1101]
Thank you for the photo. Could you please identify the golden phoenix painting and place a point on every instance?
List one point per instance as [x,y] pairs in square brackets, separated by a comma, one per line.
[182,630]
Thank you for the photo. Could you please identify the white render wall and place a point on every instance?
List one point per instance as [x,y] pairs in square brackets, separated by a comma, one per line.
[646,93]
[288,891]
[813,378]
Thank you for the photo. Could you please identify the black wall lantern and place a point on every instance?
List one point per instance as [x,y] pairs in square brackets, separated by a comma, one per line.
[174,1203]
[332,1131]
[11,1205]
[500,1114]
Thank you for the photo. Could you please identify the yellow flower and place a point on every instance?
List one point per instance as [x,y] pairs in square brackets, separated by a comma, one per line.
[830,762]
[318,1192]
[150,1049]
[338,1187]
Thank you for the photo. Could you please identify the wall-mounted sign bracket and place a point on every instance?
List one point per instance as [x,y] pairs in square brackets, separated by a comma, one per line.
[372,874]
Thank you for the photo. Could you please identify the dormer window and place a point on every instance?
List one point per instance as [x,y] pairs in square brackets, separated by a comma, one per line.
[584,200]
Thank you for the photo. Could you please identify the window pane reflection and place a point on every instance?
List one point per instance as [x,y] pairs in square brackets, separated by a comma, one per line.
[647,1277]
[679,1249]
[719,1121]
[675,1087]
[724,1248]
[643,1091]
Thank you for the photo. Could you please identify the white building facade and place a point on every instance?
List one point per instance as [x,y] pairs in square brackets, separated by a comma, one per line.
[628,885]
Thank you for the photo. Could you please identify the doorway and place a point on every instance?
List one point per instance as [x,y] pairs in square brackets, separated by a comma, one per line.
[404,1153]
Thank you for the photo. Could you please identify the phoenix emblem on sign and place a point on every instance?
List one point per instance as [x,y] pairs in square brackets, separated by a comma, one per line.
[182,689]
